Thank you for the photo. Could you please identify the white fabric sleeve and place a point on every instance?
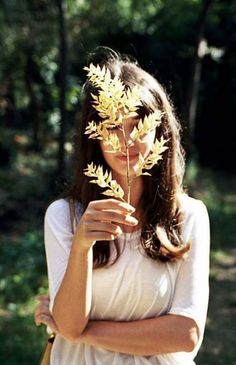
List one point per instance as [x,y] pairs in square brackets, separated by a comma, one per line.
[192,285]
[58,239]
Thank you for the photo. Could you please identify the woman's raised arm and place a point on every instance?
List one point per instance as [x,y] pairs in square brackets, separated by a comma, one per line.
[73,293]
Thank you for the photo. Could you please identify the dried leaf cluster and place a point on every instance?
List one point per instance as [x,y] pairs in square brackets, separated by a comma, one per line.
[99,131]
[115,104]
[158,148]
[104,180]
[149,123]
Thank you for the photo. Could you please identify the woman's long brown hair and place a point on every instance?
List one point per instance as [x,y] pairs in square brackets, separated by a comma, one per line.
[162,218]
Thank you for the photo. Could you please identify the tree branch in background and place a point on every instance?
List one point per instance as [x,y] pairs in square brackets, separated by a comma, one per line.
[195,75]
[61,5]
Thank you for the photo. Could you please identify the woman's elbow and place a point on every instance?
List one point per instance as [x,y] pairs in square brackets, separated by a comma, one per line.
[70,329]
[192,339]
[71,334]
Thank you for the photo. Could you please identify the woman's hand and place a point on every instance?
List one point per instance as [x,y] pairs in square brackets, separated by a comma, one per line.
[42,314]
[103,220]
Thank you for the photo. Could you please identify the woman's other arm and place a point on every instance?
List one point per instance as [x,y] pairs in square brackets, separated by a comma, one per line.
[147,337]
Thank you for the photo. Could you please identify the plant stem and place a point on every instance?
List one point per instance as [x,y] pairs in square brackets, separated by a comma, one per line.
[128,173]
[127,165]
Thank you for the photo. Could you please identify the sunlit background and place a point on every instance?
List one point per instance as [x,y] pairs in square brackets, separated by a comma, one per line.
[189,45]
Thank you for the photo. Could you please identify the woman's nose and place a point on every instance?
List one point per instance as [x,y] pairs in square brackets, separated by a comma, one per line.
[128,139]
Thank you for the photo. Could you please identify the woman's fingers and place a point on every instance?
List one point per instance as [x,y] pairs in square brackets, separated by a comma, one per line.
[47,321]
[102,220]
[42,308]
[101,236]
[112,216]
[110,210]
[43,318]
[103,227]
[42,314]
[43,298]
[112,204]
[106,225]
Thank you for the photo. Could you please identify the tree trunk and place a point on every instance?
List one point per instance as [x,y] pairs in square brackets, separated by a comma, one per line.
[61,5]
[34,107]
[195,75]
[8,98]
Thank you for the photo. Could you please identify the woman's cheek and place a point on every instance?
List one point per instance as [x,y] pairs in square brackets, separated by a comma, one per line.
[146,143]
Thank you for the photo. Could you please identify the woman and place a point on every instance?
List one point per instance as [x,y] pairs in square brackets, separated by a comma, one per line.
[129,283]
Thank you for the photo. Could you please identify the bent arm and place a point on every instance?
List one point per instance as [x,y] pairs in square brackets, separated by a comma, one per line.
[166,334]
[69,271]
[70,258]
[147,337]
[72,303]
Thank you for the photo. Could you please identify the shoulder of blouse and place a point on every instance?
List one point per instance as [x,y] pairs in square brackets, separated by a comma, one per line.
[191,206]
[60,208]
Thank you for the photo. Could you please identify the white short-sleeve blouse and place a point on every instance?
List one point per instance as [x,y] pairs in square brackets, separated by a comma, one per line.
[135,287]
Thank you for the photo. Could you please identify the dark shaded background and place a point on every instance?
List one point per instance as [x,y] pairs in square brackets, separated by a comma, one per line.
[189,45]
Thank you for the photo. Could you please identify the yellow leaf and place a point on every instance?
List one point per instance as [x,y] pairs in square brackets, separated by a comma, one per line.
[155,155]
[104,180]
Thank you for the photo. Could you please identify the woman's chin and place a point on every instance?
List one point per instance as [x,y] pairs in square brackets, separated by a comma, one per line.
[122,172]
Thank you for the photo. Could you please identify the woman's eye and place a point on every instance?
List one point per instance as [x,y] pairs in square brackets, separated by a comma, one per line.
[113,129]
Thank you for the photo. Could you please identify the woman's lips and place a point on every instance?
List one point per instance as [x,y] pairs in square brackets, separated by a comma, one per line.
[124,158]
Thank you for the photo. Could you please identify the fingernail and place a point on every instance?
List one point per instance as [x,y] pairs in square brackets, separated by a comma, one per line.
[132,220]
[120,231]
[132,209]
[129,207]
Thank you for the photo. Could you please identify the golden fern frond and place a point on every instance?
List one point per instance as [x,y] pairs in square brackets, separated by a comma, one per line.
[101,77]
[112,140]
[113,99]
[159,146]
[155,155]
[100,131]
[149,123]
[96,131]
[104,180]
[131,101]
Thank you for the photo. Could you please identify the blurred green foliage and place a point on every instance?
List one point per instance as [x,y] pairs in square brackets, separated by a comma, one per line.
[162,36]
[217,190]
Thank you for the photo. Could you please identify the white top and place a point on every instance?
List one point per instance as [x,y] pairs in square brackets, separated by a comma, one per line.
[135,287]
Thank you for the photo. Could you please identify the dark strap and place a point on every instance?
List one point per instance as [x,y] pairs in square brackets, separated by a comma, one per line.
[72,214]
[51,338]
